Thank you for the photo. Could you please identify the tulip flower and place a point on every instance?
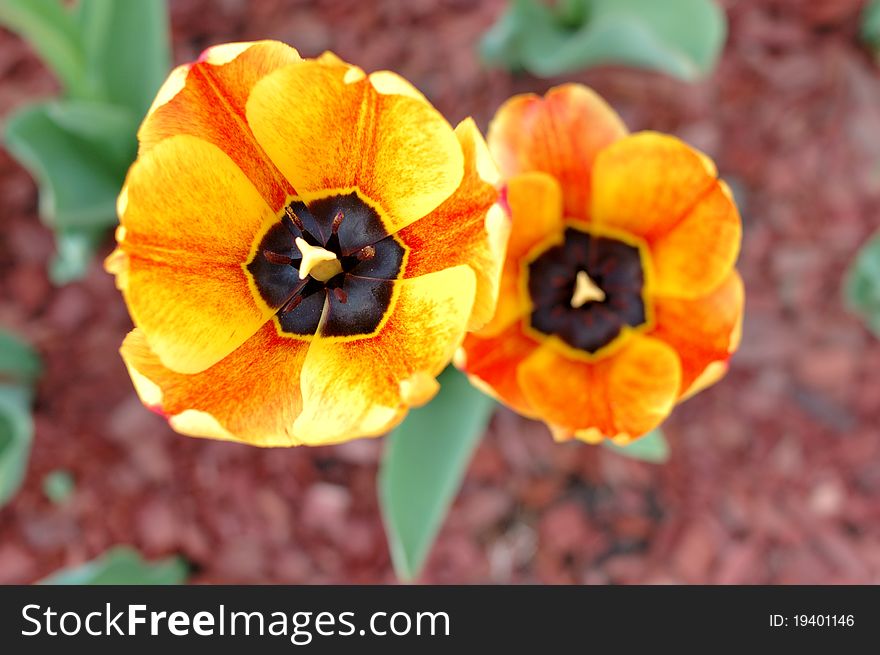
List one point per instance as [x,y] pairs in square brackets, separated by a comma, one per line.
[302,247]
[619,297]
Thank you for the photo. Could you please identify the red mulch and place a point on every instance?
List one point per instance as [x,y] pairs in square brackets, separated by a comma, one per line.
[775,476]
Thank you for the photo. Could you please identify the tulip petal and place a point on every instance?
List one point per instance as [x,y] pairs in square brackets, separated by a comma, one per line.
[326,126]
[491,364]
[626,393]
[250,396]
[559,134]
[535,203]
[697,255]
[353,387]
[662,190]
[188,219]
[207,99]
[704,331]
[468,228]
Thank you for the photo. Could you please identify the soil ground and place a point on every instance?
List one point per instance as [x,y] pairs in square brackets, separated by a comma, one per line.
[775,472]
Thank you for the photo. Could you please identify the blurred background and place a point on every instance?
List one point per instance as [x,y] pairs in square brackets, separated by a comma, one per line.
[774,475]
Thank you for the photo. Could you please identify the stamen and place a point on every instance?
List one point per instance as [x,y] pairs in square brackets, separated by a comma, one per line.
[340,294]
[291,304]
[275,258]
[366,253]
[585,290]
[296,220]
[337,221]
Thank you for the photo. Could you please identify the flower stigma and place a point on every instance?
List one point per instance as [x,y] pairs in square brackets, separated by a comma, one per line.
[585,290]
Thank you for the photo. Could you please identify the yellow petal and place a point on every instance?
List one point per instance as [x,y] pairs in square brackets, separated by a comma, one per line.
[325,133]
[207,99]
[251,396]
[352,388]
[468,228]
[190,219]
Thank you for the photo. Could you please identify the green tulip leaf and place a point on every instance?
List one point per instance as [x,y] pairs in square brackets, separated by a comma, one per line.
[127,49]
[870,27]
[52,32]
[19,369]
[424,464]
[652,448]
[78,179]
[19,364]
[682,38]
[122,565]
[16,436]
[862,287]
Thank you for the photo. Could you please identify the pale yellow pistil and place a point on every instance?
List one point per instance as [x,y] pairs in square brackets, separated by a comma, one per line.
[585,290]
[321,264]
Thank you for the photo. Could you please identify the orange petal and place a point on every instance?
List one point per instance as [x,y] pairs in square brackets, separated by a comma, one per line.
[702,331]
[357,387]
[468,228]
[491,364]
[662,190]
[697,254]
[251,396]
[644,184]
[559,134]
[535,201]
[628,392]
[326,126]
[207,99]
[188,219]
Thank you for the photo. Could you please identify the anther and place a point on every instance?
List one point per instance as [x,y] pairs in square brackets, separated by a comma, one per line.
[337,221]
[340,294]
[275,258]
[366,253]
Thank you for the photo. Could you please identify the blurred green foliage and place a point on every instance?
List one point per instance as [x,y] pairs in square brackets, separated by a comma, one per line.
[862,286]
[870,27]
[423,466]
[19,369]
[122,565]
[652,448]
[682,38]
[110,57]
[58,485]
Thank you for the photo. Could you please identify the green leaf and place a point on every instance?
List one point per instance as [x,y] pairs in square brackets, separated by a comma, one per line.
[79,180]
[870,28]
[52,32]
[19,364]
[58,486]
[127,49]
[423,466]
[74,252]
[862,286]
[111,128]
[122,565]
[16,435]
[653,448]
[682,38]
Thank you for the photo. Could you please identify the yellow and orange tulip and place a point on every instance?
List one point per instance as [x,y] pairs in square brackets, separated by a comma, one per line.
[619,297]
[302,247]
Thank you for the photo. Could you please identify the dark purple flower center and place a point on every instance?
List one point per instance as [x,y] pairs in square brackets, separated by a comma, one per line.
[586,289]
